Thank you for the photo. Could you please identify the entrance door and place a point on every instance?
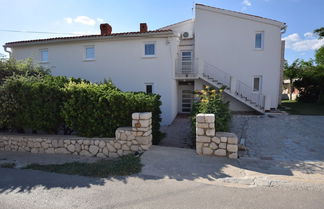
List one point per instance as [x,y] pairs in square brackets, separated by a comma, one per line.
[186,61]
[186,97]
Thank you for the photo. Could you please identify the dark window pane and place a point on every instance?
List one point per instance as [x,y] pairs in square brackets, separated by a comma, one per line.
[149,89]
[149,49]
[256,84]
[258,40]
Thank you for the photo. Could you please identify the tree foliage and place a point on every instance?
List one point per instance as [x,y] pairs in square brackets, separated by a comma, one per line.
[319,56]
[320,32]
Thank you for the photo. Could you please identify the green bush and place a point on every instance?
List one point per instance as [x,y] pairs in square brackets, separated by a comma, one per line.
[32,102]
[311,85]
[210,101]
[99,109]
[25,68]
[30,98]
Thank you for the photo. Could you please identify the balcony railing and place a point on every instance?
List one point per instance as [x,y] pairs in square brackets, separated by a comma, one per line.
[186,69]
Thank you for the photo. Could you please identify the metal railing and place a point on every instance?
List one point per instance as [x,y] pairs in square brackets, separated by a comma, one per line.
[246,92]
[241,89]
[217,74]
[186,68]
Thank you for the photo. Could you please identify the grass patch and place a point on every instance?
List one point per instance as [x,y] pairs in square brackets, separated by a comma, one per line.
[7,165]
[298,108]
[122,166]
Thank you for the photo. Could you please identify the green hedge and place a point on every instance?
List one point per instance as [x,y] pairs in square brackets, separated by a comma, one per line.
[12,67]
[33,103]
[98,110]
[52,103]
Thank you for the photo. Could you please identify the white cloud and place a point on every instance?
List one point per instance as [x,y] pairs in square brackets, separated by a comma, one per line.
[247,3]
[309,35]
[68,20]
[85,20]
[294,42]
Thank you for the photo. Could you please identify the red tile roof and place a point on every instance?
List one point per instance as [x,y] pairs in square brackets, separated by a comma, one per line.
[124,34]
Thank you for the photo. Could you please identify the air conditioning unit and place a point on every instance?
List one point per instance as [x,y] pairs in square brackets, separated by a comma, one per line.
[186,35]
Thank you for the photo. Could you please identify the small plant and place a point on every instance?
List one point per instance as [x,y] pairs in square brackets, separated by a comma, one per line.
[210,100]
[7,165]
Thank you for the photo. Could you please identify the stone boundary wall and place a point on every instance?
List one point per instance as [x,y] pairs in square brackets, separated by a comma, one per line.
[209,142]
[137,138]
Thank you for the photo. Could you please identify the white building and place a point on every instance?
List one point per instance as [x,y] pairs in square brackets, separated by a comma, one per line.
[218,47]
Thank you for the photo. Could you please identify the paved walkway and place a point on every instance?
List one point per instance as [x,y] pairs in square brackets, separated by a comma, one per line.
[185,164]
[282,137]
[178,134]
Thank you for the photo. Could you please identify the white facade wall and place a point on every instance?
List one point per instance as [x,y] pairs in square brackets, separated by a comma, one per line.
[227,42]
[122,61]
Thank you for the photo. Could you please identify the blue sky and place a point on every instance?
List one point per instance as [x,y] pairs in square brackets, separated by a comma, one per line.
[84,17]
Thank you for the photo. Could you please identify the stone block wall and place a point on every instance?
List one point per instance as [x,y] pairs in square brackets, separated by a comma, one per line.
[210,142]
[137,138]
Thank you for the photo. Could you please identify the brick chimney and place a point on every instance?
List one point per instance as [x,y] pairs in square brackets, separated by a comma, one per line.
[105,29]
[143,27]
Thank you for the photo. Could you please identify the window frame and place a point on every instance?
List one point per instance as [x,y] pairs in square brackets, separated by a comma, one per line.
[149,84]
[262,40]
[260,83]
[41,55]
[85,53]
[150,55]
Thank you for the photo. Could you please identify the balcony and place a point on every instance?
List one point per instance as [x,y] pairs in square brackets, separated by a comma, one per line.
[185,69]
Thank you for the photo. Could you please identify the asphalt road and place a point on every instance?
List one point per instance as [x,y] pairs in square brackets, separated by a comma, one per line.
[35,189]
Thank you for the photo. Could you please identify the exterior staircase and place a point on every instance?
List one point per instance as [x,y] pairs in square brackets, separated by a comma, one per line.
[233,87]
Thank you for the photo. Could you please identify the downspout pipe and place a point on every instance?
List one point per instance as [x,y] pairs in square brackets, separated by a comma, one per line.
[6,50]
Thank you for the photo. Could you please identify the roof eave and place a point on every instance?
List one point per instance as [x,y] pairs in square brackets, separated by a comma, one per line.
[100,38]
[242,15]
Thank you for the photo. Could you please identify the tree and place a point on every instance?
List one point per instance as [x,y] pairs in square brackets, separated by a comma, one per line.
[292,72]
[319,56]
[320,32]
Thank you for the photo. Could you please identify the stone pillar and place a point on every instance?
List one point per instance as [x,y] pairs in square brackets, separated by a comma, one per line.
[209,142]
[142,129]
[205,130]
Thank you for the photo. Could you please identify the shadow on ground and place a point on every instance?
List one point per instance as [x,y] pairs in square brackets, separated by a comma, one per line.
[18,180]
[159,163]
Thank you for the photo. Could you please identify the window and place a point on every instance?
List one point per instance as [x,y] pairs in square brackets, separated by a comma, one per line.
[259,40]
[186,62]
[44,55]
[89,53]
[256,83]
[149,49]
[149,88]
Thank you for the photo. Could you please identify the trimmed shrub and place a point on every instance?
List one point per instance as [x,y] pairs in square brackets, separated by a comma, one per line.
[211,101]
[25,68]
[99,109]
[32,102]
[30,98]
